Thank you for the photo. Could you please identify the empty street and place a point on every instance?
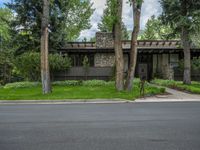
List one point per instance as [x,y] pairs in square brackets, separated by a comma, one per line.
[135,126]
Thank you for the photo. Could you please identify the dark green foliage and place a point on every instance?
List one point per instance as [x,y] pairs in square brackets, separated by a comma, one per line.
[109,18]
[6,53]
[63,27]
[175,15]
[183,16]
[5,19]
[6,66]
[28,64]
[196,38]
[195,64]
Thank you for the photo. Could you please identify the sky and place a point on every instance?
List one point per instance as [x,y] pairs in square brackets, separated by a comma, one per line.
[149,8]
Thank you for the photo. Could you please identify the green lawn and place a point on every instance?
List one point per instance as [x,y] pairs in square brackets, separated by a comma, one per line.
[193,88]
[83,91]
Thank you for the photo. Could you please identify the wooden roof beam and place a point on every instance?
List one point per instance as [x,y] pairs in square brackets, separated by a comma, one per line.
[163,43]
[157,43]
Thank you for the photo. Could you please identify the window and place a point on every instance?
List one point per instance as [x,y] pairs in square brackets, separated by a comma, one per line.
[174,59]
[77,59]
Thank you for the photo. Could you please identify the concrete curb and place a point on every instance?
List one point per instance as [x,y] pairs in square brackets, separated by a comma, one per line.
[83,101]
[99,101]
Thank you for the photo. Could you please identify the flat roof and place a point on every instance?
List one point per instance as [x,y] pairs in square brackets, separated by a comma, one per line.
[144,46]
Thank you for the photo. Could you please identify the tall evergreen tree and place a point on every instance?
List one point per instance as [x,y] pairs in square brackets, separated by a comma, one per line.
[183,18]
[156,30]
[107,21]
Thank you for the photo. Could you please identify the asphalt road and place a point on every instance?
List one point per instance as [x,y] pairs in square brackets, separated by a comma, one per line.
[137,126]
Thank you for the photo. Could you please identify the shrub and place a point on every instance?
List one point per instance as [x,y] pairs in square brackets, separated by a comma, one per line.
[67,83]
[58,62]
[83,83]
[169,83]
[162,90]
[28,64]
[195,64]
[21,85]
[97,83]
[136,80]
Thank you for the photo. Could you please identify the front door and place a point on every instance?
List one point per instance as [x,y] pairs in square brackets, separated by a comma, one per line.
[142,71]
[144,63]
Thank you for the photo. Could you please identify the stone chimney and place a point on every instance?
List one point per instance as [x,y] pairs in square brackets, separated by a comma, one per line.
[104,40]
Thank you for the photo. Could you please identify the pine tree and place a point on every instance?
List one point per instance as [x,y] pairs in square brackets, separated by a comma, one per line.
[183,17]
[156,30]
[107,20]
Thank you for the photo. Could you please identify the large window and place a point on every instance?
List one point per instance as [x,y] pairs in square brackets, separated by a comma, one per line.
[77,59]
[174,59]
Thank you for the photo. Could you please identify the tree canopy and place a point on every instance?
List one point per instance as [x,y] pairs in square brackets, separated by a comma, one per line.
[67,20]
[183,17]
[156,30]
[5,19]
[179,13]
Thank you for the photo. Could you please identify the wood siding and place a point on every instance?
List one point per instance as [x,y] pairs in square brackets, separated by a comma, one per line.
[81,73]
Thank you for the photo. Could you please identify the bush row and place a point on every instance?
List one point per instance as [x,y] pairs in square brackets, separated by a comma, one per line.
[27,84]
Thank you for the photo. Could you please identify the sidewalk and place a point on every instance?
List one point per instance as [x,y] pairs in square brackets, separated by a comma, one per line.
[173,95]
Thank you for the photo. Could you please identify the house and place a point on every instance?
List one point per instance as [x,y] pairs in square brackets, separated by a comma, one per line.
[156,58]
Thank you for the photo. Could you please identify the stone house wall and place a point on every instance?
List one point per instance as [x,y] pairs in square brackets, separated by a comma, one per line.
[104,40]
[163,65]
[108,60]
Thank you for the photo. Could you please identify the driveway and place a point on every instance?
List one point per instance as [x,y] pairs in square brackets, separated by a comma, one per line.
[131,126]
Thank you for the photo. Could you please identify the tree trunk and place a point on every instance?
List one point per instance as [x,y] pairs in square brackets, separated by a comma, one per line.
[133,52]
[45,74]
[119,60]
[187,58]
